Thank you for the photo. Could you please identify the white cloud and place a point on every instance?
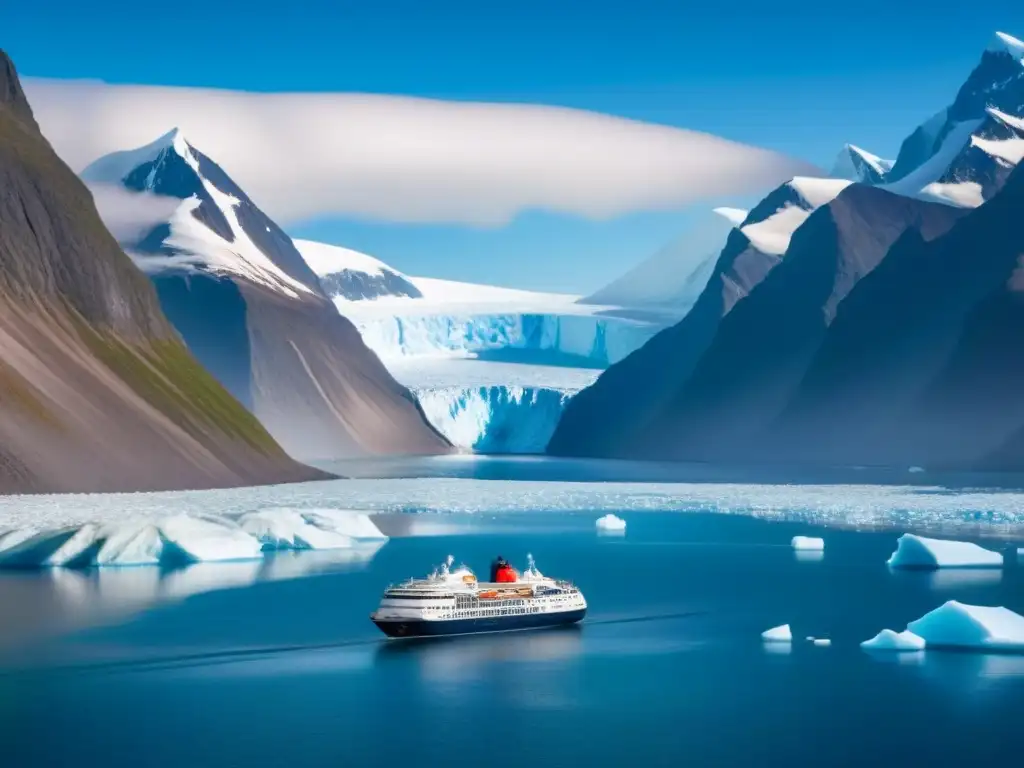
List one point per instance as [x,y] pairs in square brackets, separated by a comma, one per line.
[131,215]
[301,156]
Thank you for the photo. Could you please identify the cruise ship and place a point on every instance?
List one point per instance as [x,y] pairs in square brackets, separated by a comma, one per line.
[453,602]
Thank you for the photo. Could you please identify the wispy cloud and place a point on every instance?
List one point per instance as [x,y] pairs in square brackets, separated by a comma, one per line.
[302,156]
[130,215]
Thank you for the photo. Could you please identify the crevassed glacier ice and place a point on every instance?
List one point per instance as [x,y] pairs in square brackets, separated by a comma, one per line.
[495,419]
[888,640]
[599,339]
[958,625]
[914,551]
[808,543]
[492,407]
[178,539]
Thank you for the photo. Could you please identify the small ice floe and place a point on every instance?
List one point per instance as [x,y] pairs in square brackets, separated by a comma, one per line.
[611,524]
[808,544]
[958,625]
[888,640]
[919,552]
[821,642]
[780,634]
[916,470]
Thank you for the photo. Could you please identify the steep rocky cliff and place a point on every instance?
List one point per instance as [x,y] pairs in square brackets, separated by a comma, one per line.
[97,392]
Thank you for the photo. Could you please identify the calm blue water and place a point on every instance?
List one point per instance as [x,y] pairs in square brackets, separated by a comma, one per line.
[668,668]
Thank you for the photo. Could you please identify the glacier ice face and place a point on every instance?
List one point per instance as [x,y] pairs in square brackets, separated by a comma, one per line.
[494,419]
[780,634]
[599,340]
[957,625]
[888,640]
[919,552]
[178,539]
[808,543]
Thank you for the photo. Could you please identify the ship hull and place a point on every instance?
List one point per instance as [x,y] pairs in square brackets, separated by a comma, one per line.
[399,628]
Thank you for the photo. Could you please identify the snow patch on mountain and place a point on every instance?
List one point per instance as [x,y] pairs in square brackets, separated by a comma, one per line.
[1009,44]
[199,247]
[857,164]
[734,216]
[772,234]
[351,275]
[920,181]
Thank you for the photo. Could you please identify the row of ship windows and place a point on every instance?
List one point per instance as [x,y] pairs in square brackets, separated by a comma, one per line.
[491,612]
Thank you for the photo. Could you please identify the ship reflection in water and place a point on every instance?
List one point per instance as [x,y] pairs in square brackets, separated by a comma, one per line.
[464,657]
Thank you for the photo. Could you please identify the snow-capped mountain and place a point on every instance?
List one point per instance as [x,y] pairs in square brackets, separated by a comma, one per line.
[901,300]
[962,155]
[354,276]
[858,164]
[255,314]
[217,230]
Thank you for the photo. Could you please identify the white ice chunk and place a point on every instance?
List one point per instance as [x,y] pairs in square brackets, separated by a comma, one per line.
[957,625]
[919,552]
[610,523]
[821,642]
[780,634]
[141,544]
[888,640]
[206,538]
[808,543]
[916,470]
[309,528]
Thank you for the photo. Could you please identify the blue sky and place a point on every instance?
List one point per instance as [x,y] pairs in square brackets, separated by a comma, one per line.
[783,76]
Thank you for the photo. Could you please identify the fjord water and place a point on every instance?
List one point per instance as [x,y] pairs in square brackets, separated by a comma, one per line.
[668,667]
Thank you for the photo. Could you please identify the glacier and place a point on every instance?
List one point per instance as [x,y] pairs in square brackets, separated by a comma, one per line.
[495,419]
[589,338]
[492,407]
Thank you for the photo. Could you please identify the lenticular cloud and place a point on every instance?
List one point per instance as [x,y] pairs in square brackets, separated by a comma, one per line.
[302,156]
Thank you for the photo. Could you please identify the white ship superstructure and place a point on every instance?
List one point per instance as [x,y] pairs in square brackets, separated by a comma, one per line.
[452,601]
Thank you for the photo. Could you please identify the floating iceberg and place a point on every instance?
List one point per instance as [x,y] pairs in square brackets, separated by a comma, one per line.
[957,625]
[888,640]
[821,642]
[179,539]
[781,634]
[918,552]
[610,523]
[808,543]
[309,528]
